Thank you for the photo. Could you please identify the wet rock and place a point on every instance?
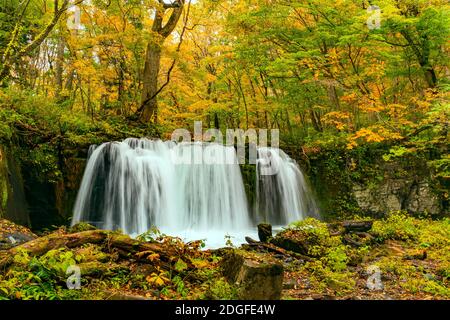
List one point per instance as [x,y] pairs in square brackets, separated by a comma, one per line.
[264,232]
[255,279]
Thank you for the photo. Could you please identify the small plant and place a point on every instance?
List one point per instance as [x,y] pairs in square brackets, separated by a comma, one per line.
[152,235]
[228,241]
[158,278]
[397,226]
[180,286]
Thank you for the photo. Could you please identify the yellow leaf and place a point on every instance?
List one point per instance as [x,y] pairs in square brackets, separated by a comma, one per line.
[153,257]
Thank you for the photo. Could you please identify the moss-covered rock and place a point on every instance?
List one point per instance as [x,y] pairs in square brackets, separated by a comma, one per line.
[256,278]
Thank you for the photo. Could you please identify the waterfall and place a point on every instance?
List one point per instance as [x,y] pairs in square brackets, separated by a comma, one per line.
[282,193]
[192,190]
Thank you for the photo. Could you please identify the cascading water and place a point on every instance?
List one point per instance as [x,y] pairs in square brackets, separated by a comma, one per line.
[191,190]
[282,193]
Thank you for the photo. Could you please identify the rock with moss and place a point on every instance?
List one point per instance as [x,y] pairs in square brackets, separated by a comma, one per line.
[256,277]
[81,226]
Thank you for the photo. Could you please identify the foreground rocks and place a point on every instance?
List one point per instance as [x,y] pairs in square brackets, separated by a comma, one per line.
[256,277]
[264,232]
[395,258]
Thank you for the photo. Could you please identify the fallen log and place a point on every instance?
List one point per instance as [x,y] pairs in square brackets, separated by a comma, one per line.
[141,250]
[349,226]
[273,248]
[40,246]
[357,239]
[357,226]
[125,245]
[298,246]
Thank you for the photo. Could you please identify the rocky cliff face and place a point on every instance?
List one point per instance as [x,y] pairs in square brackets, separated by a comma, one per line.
[13,204]
[415,196]
[50,203]
[367,184]
[31,200]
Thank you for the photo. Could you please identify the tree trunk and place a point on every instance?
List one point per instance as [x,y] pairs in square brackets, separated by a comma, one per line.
[430,76]
[150,82]
[149,103]
[315,119]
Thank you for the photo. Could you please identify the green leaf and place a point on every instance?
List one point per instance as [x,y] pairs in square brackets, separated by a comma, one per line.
[180,265]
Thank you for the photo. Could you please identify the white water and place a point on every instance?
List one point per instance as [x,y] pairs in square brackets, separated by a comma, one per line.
[283,195]
[190,190]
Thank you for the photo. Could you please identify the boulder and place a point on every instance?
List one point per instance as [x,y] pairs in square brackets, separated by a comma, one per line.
[264,232]
[255,277]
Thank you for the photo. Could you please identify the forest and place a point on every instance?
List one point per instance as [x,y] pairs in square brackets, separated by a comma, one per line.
[91,206]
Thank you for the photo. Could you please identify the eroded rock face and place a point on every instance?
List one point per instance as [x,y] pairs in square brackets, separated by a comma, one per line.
[255,279]
[13,205]
[3,183]
[397,194]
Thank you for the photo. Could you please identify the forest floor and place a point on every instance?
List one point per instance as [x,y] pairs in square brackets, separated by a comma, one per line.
[398,257]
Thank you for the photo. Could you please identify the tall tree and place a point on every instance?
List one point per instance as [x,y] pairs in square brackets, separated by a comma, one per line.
[149,103]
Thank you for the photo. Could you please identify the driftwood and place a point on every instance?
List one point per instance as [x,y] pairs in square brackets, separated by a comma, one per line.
[125,246]
[273,248]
